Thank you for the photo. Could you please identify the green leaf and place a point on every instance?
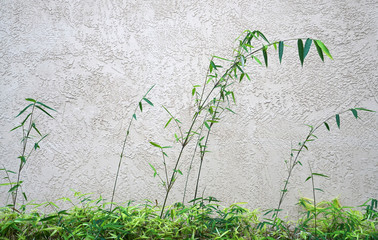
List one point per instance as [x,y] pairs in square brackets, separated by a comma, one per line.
[178,171]
[23,110]
[230,110]
[25,197]
[168,122]
[320,51]
[212,66]
[257,60]
[246,74]
[207,125]
[155,173]
[338,120]
[16,128]
[265,56]
[36,146]
[46,106]
[324,48]
[140,106]
[223,59]
[12,189]
[23,159]
[148,101]
[280,50]
[318,189]
[6,184]
[43,110]
[327,126]
[320,175]
[35,128]
[134,116]
[300,51]
[193,91]
[307,47]
[155,144]
[262,35]
[30,100]
[364,109]
[308,178]
[354,111]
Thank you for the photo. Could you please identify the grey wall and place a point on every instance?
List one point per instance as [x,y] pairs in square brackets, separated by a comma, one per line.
[93,60]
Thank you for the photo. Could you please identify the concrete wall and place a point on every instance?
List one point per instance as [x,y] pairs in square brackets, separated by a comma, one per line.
[93,60]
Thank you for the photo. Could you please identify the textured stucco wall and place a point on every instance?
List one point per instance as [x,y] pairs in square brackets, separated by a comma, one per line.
[93,60]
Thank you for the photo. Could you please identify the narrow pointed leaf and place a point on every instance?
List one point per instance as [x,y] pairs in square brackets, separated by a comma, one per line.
[338,120]
[320,51]
[23,110]
[134,116]
[257,60]
[168,122]
[155,145]
[265,56]
[364,109]
[148,101]
[207,125]
[36,129]
[280,50]
[31,100]
[308,178]
[300,50]
[307,47]
[15,128]
[354,111]
[324,48]
[43,110]
[140,106]
[46,106]
[320,175]
[327,126]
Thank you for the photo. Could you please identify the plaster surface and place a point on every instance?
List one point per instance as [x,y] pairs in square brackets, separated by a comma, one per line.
[93,60]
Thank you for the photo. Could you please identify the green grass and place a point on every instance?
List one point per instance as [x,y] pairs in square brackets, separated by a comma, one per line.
[205,219]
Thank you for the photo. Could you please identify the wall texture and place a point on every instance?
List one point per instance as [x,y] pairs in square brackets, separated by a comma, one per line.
[93,60]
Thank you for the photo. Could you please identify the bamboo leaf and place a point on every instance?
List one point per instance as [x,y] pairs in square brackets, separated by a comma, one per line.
[324,48]
[318,189]
[320,51]
[134,116]
[327,126]
[35,128]
[338,120]
[257,60]
[364,109]
[43,110]
[354,111]
[140,106]
[168,122]
[23,110]
[31,100]
[320,175]
[280,50]
[265,56]
[307,47]
[155,173]
[300,50]
[223,59]
[46,106]
[148,101]
[308,178]
[155,145]
[207,125]
[16,128]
